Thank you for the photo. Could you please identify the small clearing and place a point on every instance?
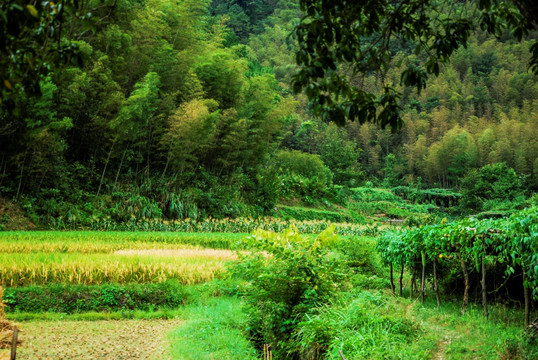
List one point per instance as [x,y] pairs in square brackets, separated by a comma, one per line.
[118,340]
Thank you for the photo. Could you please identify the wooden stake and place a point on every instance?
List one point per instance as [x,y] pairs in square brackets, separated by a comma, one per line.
[527,299]
[412,282]
[14,343]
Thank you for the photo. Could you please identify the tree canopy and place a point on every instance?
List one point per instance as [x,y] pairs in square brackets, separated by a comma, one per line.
[342,41]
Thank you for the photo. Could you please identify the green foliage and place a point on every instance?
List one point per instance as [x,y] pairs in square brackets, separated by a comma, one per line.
[366,36]
[495,182]
[440,197]
[303,164]
[212,330]
[365,318]
[69,299]
[287,275]
[303,175]
[300,213]
[510,242]
[33,44]
[179,107]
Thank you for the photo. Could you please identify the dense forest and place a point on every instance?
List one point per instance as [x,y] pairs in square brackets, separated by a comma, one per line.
[184,108]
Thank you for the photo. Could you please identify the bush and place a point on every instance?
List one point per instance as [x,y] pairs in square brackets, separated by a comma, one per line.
[492,182]
[71,299]
[303,174]
[360,254]
[287,275]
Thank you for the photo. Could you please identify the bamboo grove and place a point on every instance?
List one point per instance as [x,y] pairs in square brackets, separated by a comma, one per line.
[464,246]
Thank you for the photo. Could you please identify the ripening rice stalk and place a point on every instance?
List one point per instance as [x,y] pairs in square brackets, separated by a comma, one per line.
[38,269]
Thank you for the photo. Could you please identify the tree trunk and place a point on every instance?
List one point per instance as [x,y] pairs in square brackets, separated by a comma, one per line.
[527,299]
[401,280]
[104,169]
[435,287]
[466,282]
[119,167]
[423,278]
[166,165]
[391,278]
[483,283]
[412,282]
[20,179]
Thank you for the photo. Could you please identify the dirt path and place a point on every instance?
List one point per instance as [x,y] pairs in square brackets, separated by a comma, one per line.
[118,340]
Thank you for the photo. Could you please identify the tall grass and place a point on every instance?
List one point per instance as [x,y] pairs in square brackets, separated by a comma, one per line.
[212,331]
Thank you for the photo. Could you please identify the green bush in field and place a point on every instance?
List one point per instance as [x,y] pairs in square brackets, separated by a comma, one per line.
[303,175]
[360,254]
[286,276]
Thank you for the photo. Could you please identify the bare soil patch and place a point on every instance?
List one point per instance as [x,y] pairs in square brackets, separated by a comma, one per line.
[118,340]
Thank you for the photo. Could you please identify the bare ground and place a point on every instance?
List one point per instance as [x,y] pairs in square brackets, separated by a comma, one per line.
[118,340]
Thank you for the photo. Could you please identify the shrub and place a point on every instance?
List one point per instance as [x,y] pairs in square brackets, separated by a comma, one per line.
[491,182]
[63,298]
[303,174]
[287,275]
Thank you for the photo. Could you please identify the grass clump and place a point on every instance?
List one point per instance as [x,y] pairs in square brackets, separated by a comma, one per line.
[363,325]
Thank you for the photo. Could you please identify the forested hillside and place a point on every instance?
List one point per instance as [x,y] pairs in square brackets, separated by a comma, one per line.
[184,110]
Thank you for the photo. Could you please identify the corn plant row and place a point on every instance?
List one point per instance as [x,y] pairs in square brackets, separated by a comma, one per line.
[512,242]
[238,225]
[94,269]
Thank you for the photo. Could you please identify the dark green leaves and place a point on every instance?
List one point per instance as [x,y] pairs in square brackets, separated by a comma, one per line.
[363,34]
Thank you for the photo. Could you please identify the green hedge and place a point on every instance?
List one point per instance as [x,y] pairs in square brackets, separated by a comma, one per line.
[301,214]
[72,299]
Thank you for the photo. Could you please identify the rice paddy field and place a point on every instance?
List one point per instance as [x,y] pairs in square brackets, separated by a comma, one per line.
[43,264]
[40,258]
[166,295]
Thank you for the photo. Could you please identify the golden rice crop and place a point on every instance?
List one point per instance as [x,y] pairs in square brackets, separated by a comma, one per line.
[38,269]
[108,242]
